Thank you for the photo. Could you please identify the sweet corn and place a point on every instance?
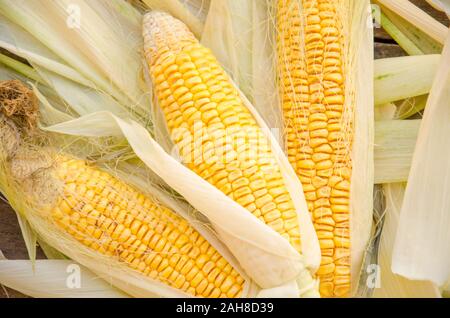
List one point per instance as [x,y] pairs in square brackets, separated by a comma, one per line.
[318,127]
[109,216]
[216,135]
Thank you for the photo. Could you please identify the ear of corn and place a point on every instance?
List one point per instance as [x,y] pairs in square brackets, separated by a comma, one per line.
[219,138]
[322,47]
[193,90]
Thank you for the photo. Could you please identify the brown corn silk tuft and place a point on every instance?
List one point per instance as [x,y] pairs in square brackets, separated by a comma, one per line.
[111,217]
[216,135]
[18,103]
[310,46]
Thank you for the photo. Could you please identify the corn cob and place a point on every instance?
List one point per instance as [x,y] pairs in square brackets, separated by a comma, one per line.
[112,218]
[318,127]
[216,135]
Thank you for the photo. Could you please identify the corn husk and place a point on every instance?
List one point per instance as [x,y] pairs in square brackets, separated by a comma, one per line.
[49,279]
[393,77]
[394,145]
[421,248]
[410,38]
[418,18]
[390,284]
[405,43]
[359,78]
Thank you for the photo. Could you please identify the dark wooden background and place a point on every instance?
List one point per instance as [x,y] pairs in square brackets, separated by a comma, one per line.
[11,242]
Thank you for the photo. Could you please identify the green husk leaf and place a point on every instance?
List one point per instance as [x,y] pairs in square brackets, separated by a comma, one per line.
[21,68]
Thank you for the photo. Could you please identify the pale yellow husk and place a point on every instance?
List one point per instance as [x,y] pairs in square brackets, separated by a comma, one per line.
[417,17]
[421,248]
[51,279]
[392,285]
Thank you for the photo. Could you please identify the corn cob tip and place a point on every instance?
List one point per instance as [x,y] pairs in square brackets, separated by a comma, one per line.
[161,30]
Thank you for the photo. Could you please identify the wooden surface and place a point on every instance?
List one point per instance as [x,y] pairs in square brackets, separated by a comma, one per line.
[11,242]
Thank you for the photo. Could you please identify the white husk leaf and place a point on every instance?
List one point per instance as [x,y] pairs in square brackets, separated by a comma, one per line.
[232,48]
[360,57]
[422,243]
[86,100]
[50,252]
[417,17]
[396,34]
[395,141]
[393,77]
[18,41]
[127,10]
[50,278]
[392,285]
